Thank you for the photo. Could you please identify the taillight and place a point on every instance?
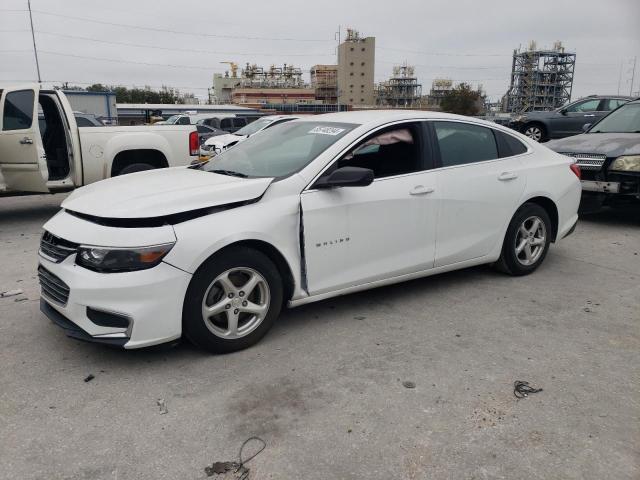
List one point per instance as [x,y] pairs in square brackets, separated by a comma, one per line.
[575,168]
[194,143]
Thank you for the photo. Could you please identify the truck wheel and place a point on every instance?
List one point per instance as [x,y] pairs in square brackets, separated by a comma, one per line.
[136,167]
[535,131]
[232,300]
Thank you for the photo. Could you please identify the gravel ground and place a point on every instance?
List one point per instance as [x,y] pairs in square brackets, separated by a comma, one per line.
[325,388]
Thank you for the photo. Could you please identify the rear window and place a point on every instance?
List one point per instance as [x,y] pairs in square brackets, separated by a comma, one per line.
[508,145]
[463,143]
[18,110]
[239,122]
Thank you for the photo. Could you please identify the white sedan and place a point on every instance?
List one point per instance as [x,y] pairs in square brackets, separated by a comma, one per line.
[214,145]
[318,207]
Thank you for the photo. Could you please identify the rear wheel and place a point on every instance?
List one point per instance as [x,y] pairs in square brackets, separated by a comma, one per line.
[136,167]
[232,301]
[535,131]
[527,240]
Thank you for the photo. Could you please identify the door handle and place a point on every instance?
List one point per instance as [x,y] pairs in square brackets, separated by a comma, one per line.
[590,115]
[504,176]
[421,190]
[26,141]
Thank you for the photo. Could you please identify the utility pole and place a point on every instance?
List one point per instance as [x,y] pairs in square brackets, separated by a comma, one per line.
[33,37]
[620,77]
[337,35]
[633,76]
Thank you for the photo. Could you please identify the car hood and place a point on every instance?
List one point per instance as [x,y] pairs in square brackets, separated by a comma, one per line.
[224,140]
[609,144]
[162,192]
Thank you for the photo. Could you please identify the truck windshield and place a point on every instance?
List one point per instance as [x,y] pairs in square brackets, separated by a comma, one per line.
[625,119]
[286,149]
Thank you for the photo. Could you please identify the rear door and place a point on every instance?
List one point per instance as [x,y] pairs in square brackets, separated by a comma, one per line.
[480,181]
[23,164]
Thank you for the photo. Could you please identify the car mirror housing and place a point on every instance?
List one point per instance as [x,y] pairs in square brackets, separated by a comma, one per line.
[586,127]
[346,177]
[563,111]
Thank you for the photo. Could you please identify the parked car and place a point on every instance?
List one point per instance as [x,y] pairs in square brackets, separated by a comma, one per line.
[61,156]
[222,142]
[228,124]
[319,207]
[193,118]
[609,156]
[205,132]
[567,120]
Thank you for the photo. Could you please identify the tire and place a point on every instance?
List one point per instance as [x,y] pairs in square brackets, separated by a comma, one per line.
[535,131]
[208,322]
[532,253]
[135,167]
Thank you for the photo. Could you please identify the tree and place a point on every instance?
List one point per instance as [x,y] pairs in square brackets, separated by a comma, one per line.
[462,100]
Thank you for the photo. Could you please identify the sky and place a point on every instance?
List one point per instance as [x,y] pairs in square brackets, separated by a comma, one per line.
[182,43]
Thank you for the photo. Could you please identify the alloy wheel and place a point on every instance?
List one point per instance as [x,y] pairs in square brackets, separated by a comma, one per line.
[534,133]
[531,240]
[236,303]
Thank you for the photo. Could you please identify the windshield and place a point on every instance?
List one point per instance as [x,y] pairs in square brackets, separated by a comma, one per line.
[625,119]
[254,127]
[172,119]
[287,148]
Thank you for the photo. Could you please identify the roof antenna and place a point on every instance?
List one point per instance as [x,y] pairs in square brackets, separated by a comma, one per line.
[35,50]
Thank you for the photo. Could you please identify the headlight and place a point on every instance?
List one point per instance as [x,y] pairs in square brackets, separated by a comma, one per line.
[626,163]
[106,259]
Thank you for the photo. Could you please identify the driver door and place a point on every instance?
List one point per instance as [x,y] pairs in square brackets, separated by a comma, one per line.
[23,163]
[575,116]
[357,235]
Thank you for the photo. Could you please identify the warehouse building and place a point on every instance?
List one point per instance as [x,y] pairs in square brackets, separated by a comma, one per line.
[100,104]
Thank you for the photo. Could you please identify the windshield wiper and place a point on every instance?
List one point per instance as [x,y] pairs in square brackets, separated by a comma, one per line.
[231,173]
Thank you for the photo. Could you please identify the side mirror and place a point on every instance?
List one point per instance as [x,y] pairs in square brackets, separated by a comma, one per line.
[586,127]
[563,111]
[346,177]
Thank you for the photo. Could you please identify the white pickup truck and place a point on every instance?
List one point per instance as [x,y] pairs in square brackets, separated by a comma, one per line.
[54,154]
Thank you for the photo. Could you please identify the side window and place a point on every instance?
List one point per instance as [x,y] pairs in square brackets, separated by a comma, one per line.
[613,103]
[462,143]
[225,123]
[586,106]
[202,129]
[508,145]
[18,110]
[184,121]
[83,122]
[239,122]
[392,151]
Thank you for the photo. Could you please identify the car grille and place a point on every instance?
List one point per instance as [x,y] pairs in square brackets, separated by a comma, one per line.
[52,287]
[588,161]
[56,249]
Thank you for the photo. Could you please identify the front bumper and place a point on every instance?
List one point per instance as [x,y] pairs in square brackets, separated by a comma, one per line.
[150,299]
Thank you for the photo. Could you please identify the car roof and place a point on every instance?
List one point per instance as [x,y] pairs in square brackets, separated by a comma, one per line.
[363,117]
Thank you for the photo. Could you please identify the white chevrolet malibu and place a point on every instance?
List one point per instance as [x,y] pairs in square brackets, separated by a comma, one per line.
[316,208]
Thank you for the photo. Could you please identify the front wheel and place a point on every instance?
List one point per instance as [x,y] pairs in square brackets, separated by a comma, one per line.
[232,300]
[535,132]
[526,242]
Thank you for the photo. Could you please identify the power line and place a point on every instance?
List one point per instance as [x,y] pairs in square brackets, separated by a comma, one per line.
[155,47]
[179,32]
[445,54]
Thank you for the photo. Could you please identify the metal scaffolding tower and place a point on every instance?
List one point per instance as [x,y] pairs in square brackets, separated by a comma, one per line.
[401,90]
[540,79]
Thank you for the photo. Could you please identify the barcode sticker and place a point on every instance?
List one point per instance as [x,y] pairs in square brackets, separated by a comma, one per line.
[327,130]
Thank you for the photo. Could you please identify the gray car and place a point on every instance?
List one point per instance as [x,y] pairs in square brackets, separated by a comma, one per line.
[567,120]
[608,154]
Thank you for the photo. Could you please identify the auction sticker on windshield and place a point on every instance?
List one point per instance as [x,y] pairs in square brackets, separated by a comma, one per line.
[327,130]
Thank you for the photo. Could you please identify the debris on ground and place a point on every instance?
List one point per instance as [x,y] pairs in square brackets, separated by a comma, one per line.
[522,389]
[21,299]
[89,377]
[408,384]
[163,406]
[240,471]
[10,293]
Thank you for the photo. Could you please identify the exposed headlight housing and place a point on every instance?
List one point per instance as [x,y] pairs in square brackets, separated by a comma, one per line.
[626,163]
[109,260]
